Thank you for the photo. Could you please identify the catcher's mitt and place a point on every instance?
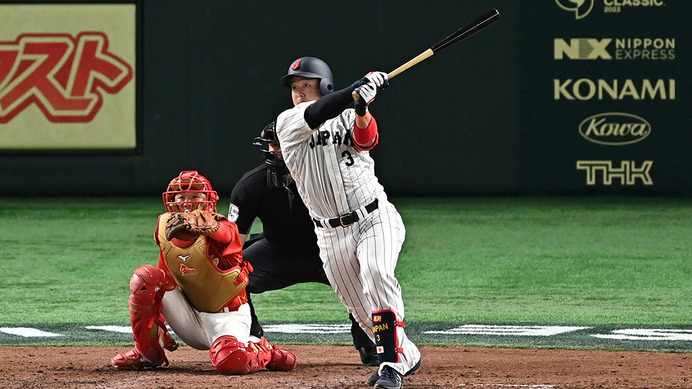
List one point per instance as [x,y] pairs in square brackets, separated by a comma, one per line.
[190,225]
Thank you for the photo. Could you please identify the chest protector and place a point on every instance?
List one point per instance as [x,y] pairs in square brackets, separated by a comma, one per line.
[207,287]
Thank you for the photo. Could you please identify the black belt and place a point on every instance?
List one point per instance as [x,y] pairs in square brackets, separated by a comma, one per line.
[347,219]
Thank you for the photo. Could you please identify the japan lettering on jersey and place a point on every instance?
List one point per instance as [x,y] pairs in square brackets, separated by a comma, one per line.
[331,173]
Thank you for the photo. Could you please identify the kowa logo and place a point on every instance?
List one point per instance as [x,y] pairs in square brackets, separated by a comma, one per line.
[652,49]
[63,75]
[614,128]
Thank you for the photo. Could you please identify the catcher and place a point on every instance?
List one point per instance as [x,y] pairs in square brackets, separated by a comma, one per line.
[198,288]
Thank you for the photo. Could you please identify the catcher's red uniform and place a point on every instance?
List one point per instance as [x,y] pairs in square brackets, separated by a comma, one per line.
[198,288]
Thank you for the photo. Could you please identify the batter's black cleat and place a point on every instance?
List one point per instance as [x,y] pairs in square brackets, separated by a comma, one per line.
[376,375]
[368,355]
[390,379]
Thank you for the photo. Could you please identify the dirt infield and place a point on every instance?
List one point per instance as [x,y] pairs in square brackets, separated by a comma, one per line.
[337,367]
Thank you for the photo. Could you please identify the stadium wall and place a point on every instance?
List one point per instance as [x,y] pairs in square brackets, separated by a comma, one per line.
[554,99]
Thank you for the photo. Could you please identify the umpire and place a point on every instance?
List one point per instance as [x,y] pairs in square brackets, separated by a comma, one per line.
[286,252]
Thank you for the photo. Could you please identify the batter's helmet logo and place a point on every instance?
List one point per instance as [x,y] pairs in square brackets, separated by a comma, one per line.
[296,64]
[581,8]
[64,76]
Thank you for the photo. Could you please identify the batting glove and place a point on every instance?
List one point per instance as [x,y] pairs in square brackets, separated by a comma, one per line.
[378,78]
[367,92]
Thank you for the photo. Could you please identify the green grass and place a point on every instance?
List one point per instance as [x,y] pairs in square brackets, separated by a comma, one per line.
[479,260]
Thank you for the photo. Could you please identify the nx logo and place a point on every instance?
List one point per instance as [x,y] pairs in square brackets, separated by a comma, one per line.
[581,48]
[628,173]
[614,128]
[64,76]
[581,8]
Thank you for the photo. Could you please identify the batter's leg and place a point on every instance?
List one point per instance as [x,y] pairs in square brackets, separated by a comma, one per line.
[338,249]
[378,250]
[362,342]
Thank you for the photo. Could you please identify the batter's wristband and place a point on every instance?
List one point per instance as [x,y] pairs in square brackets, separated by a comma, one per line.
[363,136]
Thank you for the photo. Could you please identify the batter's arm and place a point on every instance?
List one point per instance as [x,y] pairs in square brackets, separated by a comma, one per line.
[365,133]
[329,106]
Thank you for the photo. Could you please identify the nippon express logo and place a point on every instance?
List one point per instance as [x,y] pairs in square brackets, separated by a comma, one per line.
[64,76]
[582,8]
[619,49]
[614,128]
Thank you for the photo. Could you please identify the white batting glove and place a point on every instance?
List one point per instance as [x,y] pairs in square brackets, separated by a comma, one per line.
[378,78]
[367,92]
[370,84]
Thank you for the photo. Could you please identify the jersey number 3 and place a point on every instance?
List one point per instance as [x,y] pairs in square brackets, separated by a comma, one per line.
[346,154]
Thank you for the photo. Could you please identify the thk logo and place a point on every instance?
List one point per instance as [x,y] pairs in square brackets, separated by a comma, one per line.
[63,75]
[627,174]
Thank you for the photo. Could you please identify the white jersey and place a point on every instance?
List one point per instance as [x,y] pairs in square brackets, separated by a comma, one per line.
[333,176]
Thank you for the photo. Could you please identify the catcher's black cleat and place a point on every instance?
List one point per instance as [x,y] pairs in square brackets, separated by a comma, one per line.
[389,379]
[368,355]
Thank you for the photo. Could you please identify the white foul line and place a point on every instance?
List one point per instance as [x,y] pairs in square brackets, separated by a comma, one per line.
[27,332]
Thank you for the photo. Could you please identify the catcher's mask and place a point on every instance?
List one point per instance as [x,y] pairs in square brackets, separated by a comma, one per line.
[276,166]
[189,181]
[311,67]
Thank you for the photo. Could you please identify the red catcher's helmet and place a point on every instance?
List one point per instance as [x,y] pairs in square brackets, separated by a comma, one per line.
[190,181]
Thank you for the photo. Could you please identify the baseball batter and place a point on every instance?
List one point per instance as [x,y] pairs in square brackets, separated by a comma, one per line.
[198,288]
[325,145]
[286,251]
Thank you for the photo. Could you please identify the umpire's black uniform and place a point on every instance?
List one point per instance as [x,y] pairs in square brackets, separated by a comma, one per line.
[286,252]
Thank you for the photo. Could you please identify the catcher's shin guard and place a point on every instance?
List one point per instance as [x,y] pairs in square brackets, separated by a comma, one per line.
[230,356]
[276,357]
[147,286]
[385,331]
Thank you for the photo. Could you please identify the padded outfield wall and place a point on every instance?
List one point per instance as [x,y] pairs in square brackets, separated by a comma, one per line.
[554,99]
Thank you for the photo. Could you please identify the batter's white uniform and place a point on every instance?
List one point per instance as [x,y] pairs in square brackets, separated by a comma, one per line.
[334,178]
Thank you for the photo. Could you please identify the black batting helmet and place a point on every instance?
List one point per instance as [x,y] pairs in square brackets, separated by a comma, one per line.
[311,67]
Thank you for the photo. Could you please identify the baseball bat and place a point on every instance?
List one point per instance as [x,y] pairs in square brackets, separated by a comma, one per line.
[457,36]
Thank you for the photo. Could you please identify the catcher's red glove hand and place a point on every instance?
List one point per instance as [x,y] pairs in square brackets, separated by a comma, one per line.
[190,225]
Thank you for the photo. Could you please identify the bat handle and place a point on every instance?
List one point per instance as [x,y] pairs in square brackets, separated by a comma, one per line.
[419,58]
